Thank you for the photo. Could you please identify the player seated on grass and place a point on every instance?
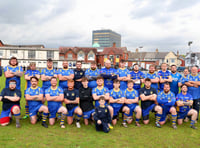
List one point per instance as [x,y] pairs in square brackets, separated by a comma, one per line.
[102,116]
[71,99]
[131,101]
[11,104]
[86,101]
[55,96]
[117,101]
[148,97]
[34,97]
[99,91]
[166,100]
[184,101]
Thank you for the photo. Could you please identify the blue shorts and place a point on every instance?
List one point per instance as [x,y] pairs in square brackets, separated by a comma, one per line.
[53,109]
[132,109]
[71,112]
[146,111]
[88,114]
[165,113]
[6,115]
[182,115]
[116,110]
[33,110]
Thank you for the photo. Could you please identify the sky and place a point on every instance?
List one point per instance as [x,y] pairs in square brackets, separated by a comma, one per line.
[166,25]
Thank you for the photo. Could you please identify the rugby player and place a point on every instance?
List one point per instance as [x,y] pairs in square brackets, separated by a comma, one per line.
[184,101]
[34,97]
[11,104]
[71,99]
[54,95]
[148,97]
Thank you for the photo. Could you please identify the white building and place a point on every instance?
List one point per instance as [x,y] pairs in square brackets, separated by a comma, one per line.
[25,55]
[192,59]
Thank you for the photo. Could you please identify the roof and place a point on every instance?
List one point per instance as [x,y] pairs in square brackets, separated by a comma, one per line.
[77,49]
[147,55]
[116,50]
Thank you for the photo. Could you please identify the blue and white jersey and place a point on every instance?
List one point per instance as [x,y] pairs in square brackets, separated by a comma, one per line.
[64,72]
[54,92]
[139,75]
[174,84]
[92,73]
[163,75]
[116,95]
[195,92]
[166,99]
[17,79]
[99,92]
[33,92]
[153,76]
[130,94]
[31,73]
[123,73]
[109,75]
[184,98]
[48,72]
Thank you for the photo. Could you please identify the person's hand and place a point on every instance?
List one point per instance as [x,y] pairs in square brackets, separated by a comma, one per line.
[99,121]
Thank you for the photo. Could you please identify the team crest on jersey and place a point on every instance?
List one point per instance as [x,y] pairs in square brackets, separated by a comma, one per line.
[73,94]
[151,92]
[15,94]
[145,92]
[67,94]
[81,73]
[106,110]
[37,92]
[169,98]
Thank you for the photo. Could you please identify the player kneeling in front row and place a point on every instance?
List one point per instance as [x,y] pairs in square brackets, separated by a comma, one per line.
[99,91]
[102,116]
[34,97]
[184,100]
[71,99]
[11,104]
[166,100]
[55,96]
[131,101]
[86,101]
[117,101]
[148,97]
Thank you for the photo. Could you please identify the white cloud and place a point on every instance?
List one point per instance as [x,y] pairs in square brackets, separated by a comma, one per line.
[167,25]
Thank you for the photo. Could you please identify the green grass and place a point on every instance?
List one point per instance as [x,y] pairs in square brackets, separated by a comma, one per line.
[145,136]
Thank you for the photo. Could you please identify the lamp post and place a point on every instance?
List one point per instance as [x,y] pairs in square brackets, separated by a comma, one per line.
[190,53]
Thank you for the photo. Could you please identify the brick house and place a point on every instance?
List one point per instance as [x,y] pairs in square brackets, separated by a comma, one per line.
[73,54]
[115,54]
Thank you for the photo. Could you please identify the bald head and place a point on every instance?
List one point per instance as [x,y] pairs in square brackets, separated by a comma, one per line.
[107,64]
[194,70]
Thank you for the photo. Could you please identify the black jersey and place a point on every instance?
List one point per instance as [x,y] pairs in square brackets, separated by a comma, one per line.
[7,104]
[86,99]
[147,92]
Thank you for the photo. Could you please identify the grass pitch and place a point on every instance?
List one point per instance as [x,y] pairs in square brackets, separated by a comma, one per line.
[145,136]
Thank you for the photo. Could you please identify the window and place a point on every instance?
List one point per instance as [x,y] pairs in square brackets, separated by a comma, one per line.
[105,56]
[172,60]
[1,53]
[90,56]
[50,54]
[81,56]
[12,52]
[69,56]
[31,54]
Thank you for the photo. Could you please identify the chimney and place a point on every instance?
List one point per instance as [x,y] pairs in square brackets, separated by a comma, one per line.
[136,50]
[177,53]
[114,44]
[157,50]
